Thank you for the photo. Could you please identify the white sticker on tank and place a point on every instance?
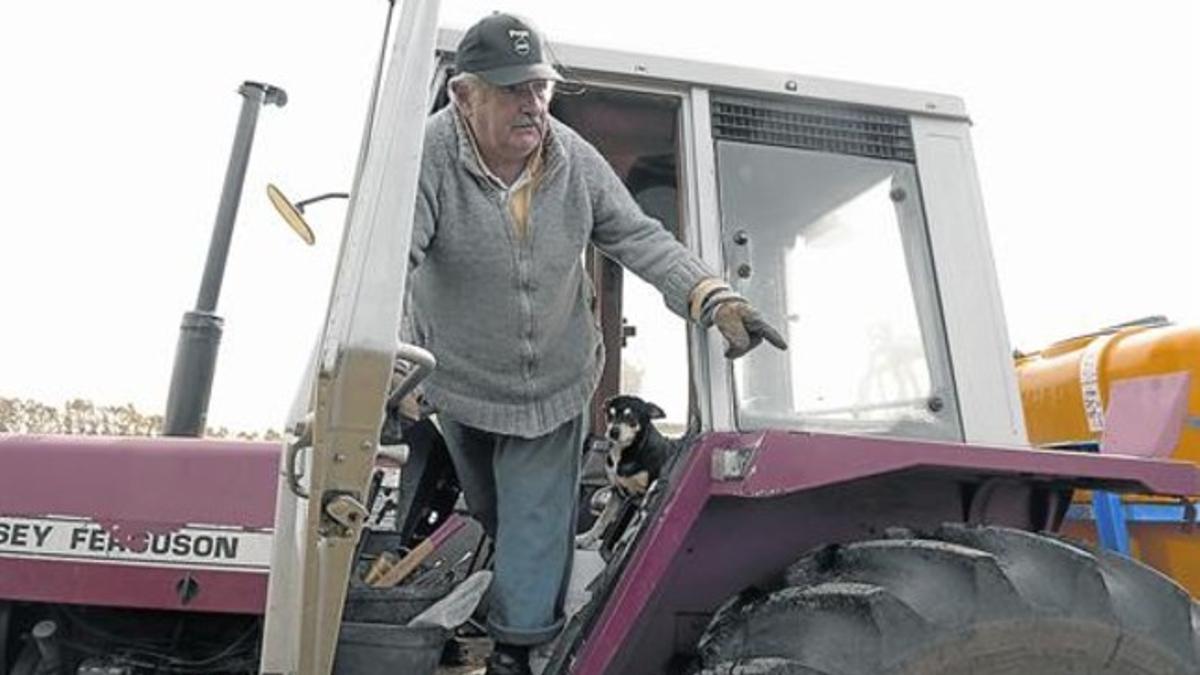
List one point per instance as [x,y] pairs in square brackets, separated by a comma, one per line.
[82,540]
[1089,383]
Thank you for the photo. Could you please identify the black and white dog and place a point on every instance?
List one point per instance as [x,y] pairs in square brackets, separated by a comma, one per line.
[637,453]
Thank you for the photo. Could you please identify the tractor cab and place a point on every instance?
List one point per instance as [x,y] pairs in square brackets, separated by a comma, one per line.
[850,215]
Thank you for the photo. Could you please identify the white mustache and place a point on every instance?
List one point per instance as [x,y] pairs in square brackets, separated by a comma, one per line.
[528,121]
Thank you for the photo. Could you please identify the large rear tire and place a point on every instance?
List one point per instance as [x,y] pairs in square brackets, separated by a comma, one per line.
[960,601]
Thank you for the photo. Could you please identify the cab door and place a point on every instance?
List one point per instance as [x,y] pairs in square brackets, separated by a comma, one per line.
[326,465]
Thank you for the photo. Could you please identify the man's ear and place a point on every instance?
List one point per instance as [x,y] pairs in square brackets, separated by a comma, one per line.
[462,95]
[655,412]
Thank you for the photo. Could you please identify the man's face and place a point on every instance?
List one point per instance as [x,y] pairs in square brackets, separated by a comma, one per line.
[510,122]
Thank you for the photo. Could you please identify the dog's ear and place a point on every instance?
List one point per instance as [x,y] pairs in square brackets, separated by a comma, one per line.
[654,411]
[608,404]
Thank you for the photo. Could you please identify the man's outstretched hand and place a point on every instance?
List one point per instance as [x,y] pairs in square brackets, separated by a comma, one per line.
[743,328]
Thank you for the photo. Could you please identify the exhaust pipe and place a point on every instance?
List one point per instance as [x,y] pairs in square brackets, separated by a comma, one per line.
[45,637]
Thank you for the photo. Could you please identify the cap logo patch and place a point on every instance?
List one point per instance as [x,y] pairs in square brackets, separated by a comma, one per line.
[520,41]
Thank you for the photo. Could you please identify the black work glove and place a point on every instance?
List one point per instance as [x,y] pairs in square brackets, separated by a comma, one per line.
[743,328]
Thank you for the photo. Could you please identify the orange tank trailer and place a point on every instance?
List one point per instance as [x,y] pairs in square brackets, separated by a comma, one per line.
[1056,382]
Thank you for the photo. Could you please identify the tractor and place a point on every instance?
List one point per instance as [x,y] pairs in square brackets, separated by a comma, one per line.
[864,503]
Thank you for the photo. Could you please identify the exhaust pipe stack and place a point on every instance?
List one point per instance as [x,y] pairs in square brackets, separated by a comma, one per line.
[200,332]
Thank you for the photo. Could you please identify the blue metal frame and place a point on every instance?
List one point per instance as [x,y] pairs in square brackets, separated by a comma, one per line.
[1113,517]
[1111,522]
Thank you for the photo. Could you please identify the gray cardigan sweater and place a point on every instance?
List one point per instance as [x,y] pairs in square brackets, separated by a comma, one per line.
[509,318]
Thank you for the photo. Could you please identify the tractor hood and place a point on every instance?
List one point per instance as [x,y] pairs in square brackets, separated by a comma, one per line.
[165,523]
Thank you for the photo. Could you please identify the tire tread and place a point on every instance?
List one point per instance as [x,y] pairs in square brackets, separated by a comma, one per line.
[871,607]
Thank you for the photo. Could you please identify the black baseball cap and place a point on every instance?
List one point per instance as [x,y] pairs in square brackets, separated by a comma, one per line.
[504,50]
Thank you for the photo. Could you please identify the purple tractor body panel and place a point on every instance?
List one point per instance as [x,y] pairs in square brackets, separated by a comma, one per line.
[160,523]
[138,587]
[712,538]
[786,462]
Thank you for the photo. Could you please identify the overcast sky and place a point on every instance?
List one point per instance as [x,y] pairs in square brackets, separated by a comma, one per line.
[117,120]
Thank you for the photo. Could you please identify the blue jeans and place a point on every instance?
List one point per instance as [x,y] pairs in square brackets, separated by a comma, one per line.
[524,492]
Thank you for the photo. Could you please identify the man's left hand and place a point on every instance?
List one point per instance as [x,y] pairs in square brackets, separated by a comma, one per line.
[744,328]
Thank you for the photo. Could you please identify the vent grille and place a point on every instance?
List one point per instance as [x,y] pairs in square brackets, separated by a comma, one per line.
[814,126]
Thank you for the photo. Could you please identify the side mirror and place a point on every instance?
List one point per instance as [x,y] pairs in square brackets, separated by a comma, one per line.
[291,214]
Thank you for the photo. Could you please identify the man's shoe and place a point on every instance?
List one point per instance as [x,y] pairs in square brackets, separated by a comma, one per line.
[503,663]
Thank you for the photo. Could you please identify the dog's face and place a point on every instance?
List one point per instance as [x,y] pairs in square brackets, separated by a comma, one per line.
[626,417]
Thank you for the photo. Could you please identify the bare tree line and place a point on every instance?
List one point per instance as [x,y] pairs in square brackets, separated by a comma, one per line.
[82,417]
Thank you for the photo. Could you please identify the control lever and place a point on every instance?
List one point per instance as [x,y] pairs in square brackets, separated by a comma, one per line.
[413,355]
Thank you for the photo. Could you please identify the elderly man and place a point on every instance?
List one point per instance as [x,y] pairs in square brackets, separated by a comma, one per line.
[509,198]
